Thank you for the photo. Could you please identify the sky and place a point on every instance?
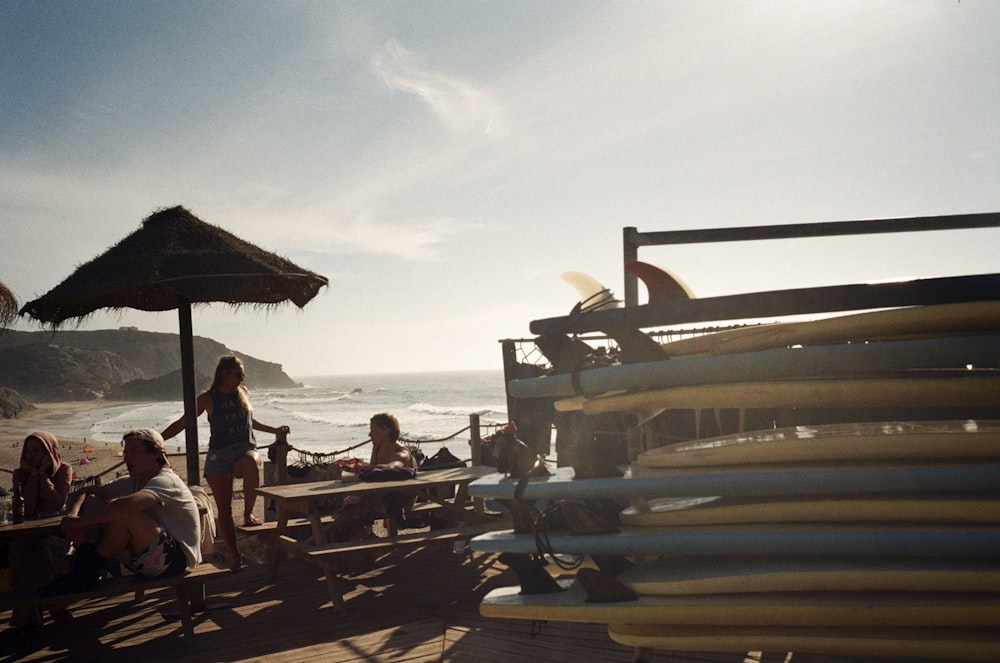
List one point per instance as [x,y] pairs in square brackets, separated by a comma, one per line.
[443,163]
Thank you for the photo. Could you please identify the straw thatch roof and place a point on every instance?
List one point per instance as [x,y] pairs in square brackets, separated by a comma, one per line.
[175,256]
[8,306]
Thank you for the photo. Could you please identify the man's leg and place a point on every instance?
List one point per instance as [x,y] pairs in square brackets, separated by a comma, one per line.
[134,534]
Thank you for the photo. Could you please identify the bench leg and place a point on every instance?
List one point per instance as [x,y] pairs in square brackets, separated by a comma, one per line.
[330,571]
[184,599]
[274,558]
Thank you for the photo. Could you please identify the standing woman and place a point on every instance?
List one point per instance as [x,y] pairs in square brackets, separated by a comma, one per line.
[232,449]
[42,482]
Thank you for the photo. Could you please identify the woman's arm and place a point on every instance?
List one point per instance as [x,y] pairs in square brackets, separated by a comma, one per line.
[203,404]
[264,428]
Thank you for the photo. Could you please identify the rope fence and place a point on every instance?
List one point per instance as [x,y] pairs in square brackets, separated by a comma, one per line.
[311,457]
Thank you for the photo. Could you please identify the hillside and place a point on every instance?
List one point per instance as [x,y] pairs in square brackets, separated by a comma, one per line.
[124,364]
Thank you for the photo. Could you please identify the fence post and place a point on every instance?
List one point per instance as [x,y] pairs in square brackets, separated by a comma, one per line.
[478,503]
[280,471]
[474,440]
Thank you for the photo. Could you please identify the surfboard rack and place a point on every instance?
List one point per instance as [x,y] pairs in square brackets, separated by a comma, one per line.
[632,238]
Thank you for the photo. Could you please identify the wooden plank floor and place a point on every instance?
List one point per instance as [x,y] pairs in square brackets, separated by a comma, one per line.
[421,605]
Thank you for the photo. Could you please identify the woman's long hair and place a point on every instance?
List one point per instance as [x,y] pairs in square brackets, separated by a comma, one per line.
[232,363]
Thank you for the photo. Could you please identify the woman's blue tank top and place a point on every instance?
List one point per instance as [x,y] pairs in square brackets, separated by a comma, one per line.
[228,423]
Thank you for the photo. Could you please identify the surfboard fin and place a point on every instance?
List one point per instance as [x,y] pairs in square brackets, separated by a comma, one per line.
[531,573]
[603,588]
[661,284]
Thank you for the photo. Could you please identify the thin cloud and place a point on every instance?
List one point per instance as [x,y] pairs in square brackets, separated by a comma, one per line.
[460,105]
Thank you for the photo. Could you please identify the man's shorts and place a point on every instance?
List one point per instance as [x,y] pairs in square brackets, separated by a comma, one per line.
[163,558]
[221,461]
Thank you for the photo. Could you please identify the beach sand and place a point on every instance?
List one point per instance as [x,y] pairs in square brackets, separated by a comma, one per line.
[101,457]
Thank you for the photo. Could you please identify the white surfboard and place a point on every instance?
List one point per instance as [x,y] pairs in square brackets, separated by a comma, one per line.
[667,512]
[771,609]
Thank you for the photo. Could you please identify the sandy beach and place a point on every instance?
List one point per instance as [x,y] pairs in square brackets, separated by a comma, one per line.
[89,458]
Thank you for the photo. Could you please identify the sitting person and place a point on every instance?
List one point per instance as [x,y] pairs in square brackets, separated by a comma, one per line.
[42,482]
[387,452]
[148,521]
[390,461]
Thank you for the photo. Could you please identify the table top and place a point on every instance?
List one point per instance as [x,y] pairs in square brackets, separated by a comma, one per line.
[50,524]
[423,480]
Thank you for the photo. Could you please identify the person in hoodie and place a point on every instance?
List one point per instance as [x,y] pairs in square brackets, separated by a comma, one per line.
[42,481]
[148,520]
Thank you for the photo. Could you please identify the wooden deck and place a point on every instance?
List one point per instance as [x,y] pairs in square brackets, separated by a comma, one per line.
[417,605]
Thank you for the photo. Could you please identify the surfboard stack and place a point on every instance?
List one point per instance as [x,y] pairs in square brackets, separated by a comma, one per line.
[932,361]
[849,539]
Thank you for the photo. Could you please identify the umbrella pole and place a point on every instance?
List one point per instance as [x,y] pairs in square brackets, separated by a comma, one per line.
[187,377]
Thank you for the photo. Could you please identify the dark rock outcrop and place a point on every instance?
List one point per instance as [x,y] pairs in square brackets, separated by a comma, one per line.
[12,404]
[81,365]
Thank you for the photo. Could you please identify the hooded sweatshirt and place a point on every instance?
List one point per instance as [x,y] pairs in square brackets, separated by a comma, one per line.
[48,491]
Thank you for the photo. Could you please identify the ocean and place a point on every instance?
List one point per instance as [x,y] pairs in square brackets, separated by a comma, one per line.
[331,413]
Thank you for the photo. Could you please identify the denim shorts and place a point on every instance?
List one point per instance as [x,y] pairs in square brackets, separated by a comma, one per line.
[221,461]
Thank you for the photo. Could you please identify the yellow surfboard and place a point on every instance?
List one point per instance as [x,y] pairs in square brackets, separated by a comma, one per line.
[910,322]
[974,644]
[858,442]
[757,574]
[978,391]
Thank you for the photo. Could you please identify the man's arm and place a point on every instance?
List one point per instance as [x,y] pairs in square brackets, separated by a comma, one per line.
[116,509]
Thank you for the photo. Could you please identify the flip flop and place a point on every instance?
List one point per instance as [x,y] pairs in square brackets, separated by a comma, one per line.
[251,521]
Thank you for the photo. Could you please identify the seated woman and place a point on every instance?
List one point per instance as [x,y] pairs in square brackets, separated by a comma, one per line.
[390,461]
[42,481]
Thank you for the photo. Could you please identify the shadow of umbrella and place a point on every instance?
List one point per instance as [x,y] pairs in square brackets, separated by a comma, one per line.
[8,306]
[172,261]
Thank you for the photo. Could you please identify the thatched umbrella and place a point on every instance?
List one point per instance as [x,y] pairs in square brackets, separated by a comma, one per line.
[172,261]
[8,306]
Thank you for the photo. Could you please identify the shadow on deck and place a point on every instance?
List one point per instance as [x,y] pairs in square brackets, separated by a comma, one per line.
[419,606]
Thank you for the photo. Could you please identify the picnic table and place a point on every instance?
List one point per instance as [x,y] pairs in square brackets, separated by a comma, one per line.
[49,525]
[443,493]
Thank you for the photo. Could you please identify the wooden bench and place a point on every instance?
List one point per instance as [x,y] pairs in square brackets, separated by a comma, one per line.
[188,587]
[296,524]
[325,556]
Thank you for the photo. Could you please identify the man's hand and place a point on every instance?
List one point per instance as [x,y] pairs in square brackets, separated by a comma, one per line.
[73,529]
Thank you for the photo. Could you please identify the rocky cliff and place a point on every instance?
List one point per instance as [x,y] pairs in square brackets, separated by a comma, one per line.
[123,364]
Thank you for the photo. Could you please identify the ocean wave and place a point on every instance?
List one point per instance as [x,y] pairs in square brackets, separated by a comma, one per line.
[454,410]
[283,402]
[342,422]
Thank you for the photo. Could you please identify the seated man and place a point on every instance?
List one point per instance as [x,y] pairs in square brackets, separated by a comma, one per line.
[390,461]
[148,520]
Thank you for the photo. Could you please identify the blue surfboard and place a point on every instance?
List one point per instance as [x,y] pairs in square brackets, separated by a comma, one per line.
[869,542]
[966,479]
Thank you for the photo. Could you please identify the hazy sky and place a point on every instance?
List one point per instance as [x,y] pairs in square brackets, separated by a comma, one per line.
[442,163]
